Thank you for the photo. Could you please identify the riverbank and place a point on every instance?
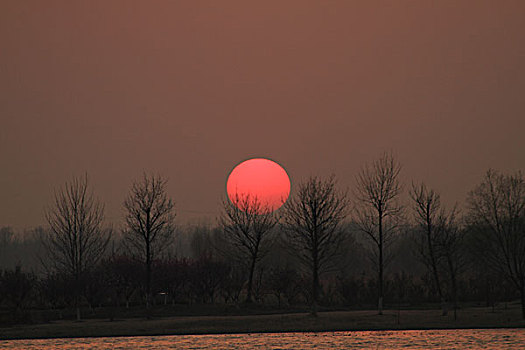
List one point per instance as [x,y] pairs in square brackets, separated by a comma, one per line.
[478,317]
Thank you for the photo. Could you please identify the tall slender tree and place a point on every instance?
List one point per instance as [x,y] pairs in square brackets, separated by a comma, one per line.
[248,224]
[428,215]
[312,221]
[149,222]
[76,239]
[378,210]
[451,244]
[497,217]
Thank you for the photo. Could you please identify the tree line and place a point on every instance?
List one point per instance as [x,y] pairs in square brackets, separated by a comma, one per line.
[325,247]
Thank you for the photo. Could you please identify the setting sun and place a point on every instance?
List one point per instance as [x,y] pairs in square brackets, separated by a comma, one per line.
[262,179]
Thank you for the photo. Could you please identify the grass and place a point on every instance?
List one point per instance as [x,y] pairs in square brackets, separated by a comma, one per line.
[474,317]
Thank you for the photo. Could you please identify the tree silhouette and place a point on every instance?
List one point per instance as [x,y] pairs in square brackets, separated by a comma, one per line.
[378,210]
[312,223]
[497,215]
[428,216]
[149,222]
[76,240]
[247,224]
[452,247]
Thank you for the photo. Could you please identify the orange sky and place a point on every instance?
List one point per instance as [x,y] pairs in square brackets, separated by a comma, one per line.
[190,89]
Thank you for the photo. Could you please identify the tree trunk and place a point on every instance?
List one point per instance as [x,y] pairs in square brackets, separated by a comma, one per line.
[250,280]
[523,300]
[454,285]
[380,246]
[315,289]
[77,295]
[148,276]
[444,309]
[455,297]
[78,312]
[443,303]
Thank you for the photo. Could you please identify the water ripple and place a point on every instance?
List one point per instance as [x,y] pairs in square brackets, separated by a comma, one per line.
[438,339]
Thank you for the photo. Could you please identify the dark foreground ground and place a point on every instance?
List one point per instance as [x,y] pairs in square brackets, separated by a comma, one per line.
[475,317]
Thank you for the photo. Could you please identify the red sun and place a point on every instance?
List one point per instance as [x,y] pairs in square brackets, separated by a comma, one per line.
[259,178]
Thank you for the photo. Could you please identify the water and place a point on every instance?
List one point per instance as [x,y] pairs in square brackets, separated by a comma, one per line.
[440,339]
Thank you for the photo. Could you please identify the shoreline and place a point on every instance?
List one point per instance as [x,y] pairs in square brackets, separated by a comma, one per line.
[267,332]
[329,321]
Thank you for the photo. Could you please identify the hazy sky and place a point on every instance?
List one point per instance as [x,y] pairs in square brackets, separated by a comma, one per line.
[190,89]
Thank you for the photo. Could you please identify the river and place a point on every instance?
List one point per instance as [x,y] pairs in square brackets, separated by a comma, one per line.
[413,339]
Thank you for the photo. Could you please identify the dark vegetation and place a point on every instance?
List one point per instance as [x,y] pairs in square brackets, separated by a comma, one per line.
[383,246]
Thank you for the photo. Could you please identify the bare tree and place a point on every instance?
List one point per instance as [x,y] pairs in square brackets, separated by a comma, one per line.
[312,222]
[428,216]
[248,223]
[149,222]
[378,210]
[451,245]
[497,216]
[76,240]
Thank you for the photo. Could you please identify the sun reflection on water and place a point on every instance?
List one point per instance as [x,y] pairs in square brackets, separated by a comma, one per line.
[442,339]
